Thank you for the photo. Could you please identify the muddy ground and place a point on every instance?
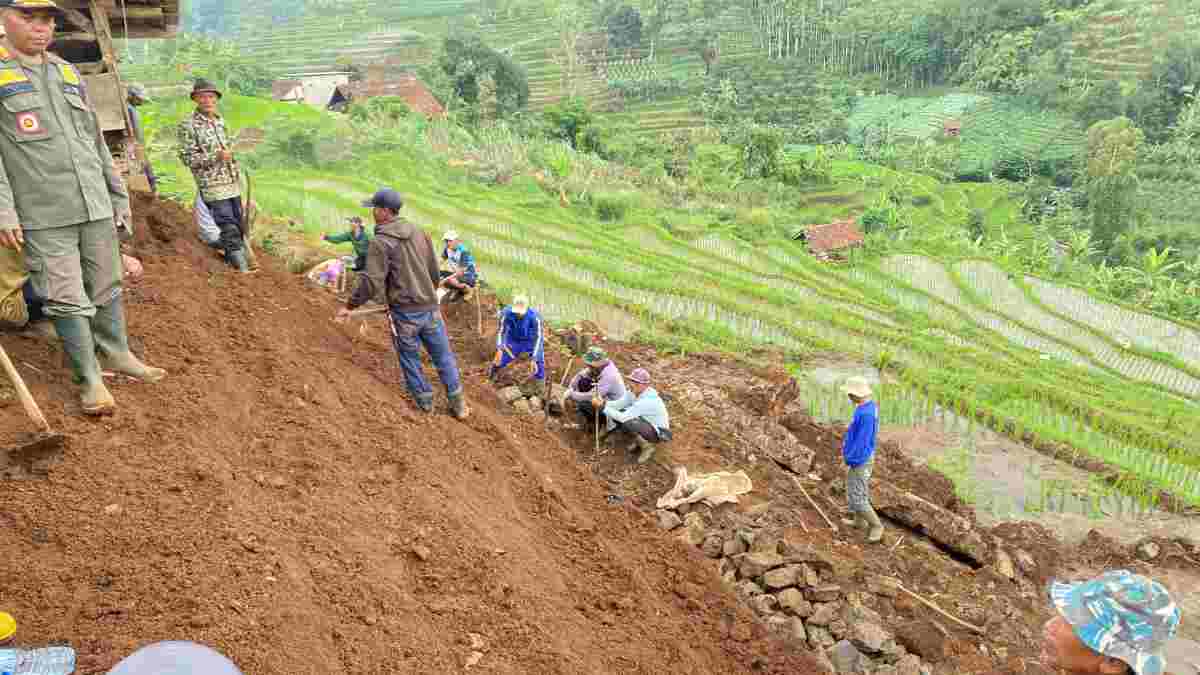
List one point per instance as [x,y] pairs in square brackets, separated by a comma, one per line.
[279,498]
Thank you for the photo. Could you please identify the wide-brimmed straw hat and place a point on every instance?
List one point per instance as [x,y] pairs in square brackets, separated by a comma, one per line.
[857,387]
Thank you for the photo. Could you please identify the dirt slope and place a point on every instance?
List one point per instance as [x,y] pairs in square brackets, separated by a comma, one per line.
[279,498]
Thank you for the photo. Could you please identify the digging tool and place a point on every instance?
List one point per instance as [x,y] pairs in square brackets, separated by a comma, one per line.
[814,504]
[46,439]
[248,215]
[895,583]
[478,314]
[597,432]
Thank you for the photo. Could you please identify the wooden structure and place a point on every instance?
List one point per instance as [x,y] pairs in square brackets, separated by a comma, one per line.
[827,241]
[288,91]
[85,36]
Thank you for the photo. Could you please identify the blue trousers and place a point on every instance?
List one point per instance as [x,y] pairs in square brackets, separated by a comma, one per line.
[227,214]
[411,330]
[519,348]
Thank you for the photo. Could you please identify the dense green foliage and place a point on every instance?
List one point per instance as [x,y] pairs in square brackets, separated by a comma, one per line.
[483,76]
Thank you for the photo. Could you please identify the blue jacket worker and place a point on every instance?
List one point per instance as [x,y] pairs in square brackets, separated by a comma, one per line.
[858,450]
[520,334]
[645,419]
[460,280]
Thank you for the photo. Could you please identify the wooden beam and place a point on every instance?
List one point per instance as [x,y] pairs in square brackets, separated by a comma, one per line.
[103,34]
[75,36]
[109,57]
[80,19]
[91,67]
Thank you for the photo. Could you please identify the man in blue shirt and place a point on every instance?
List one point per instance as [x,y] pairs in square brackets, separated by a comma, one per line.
[646,418]
[858,450]
[520,334]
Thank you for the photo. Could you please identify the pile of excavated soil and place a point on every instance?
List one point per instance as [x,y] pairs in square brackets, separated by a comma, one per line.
[279,498]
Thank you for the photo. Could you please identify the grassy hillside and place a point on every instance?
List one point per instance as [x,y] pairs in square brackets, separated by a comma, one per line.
[961,334]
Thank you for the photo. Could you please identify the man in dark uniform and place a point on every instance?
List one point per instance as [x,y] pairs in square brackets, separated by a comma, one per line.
[61,201]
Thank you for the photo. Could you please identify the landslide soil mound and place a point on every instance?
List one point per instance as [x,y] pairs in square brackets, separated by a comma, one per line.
[279,498]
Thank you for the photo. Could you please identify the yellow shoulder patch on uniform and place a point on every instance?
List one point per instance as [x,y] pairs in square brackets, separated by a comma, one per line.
[68,73]
[4,54]
[11,77]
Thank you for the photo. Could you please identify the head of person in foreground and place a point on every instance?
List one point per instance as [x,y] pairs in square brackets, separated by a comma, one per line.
[385,205]
[1115,624]
[29,24]
[857,389]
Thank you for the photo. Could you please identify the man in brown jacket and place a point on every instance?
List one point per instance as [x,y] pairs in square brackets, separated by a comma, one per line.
[402,271]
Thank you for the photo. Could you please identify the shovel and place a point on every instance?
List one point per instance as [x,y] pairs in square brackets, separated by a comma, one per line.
[46,439]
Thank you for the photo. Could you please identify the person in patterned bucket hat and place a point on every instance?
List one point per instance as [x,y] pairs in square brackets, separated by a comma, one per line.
[1115,624]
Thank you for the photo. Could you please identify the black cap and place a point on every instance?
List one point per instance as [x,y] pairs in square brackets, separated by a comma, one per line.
[385,198]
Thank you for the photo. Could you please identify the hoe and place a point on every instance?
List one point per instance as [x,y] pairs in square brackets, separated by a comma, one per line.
[45,439]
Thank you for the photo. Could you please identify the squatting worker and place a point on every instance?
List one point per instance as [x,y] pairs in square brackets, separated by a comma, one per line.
[461,278]
[61,201]
[858,451]
[597,385]
[520,334]
[645,418]
[402,271]
[1115,624]
[204,148]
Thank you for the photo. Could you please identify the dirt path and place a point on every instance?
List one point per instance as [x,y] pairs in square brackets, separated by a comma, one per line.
[279,498]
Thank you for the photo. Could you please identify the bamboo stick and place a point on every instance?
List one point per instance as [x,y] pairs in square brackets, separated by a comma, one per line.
[814,505]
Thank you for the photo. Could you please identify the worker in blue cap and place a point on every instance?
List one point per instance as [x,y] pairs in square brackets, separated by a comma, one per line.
[1115,624]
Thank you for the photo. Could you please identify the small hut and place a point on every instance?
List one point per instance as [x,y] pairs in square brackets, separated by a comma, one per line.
[831,240]
[288,91]
[402,85]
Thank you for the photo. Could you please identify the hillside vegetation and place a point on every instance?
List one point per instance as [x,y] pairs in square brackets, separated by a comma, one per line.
[1010,353]
[1024,173]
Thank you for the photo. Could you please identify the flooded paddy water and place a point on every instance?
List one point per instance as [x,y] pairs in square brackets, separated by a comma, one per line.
[1004,480]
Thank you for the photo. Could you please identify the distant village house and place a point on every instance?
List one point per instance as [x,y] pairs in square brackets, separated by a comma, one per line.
[315,89]
[831,240]
[403,85]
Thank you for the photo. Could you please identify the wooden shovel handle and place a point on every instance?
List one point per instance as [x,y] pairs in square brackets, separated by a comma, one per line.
[31,406]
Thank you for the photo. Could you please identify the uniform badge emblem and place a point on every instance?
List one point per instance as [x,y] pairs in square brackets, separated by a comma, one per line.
[29,123]
[68,74]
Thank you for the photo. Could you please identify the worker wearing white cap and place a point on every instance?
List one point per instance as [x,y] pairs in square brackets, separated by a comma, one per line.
[462,276]
[520,334]
[858,451]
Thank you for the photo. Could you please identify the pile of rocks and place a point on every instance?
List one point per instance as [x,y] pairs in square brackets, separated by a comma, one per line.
[527,399]
[791,588]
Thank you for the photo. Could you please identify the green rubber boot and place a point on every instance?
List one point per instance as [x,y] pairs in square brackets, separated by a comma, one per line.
[875,534]
[458,407]
[77,341]
[108,327]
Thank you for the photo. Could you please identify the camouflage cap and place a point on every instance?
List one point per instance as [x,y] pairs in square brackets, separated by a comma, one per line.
[595,356]
[1120,615]
[30,5]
